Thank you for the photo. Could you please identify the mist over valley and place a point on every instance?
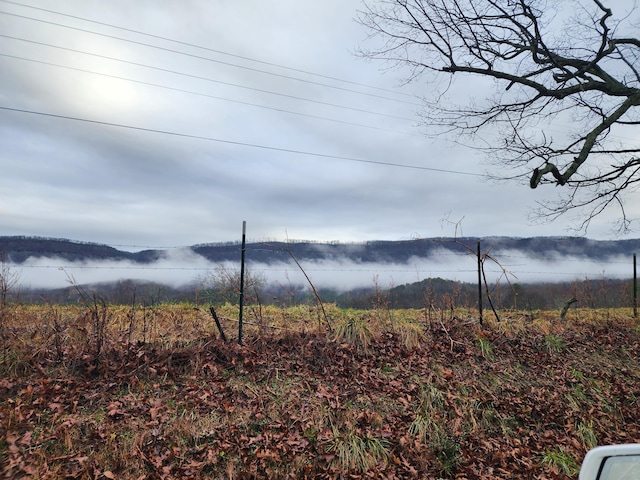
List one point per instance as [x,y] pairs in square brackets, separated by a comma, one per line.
[348,273]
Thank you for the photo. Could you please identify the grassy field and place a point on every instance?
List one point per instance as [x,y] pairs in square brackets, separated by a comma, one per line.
[102,391]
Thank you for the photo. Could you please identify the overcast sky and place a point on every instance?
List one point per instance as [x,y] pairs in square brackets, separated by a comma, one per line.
[165,123]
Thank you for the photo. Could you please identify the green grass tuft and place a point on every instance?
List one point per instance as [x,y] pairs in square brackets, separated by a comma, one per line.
[355,452]
[561,460]
[355,331]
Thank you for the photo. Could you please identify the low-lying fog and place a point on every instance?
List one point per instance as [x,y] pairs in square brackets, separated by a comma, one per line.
[181,268]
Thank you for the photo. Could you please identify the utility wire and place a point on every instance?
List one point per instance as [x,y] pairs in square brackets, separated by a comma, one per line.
[191,92]
[197,77]
[244,144]
[220,52]
[212,60]
[159,37]
[208,59]
[577,275]
[179,42]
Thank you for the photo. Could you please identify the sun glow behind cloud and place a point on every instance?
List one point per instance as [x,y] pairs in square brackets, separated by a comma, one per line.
[107,94]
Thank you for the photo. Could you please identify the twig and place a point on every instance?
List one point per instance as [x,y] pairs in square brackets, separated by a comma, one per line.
[313,288]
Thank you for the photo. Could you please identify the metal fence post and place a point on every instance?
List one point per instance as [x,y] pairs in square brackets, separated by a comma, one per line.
[479,284]
[635,288]
[241,302]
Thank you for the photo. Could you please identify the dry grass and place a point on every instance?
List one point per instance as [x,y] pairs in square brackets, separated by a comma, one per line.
[383,395]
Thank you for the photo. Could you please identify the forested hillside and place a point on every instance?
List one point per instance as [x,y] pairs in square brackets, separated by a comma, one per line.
[19,248]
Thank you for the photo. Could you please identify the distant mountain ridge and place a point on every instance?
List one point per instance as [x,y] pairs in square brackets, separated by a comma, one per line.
[17,249]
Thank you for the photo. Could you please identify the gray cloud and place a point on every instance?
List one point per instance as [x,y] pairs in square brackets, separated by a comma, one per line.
[115,185]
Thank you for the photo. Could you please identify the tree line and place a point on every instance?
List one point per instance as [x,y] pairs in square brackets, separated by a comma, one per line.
[432,293]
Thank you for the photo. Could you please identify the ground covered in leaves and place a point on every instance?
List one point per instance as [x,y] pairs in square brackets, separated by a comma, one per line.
[99,391]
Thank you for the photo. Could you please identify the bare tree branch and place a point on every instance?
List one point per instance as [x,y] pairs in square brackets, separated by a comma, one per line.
[553,61]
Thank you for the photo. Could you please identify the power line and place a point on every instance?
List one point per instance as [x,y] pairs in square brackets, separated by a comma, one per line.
[244,144]
[197,77]
[159,37]
[199,57]
[220,52]
[190,92]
